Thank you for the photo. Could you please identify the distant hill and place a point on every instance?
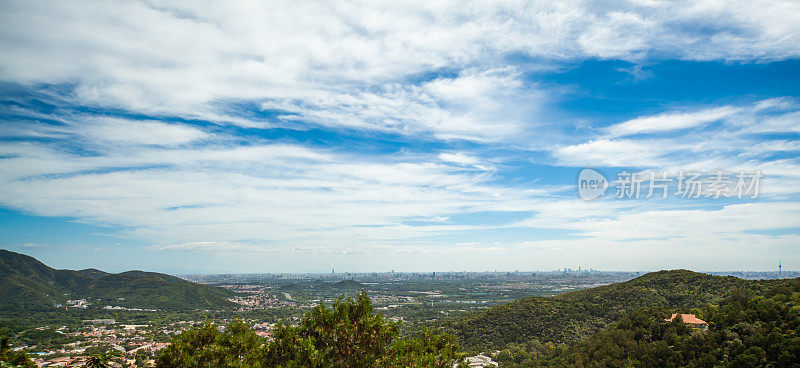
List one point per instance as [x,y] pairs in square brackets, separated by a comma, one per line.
[26,283]
[348,285]
[576,315]
[93,273]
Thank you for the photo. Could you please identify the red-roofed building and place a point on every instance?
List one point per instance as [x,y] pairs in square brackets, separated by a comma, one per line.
[690,319]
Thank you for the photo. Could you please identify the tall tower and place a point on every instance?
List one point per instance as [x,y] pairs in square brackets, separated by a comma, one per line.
[780,269]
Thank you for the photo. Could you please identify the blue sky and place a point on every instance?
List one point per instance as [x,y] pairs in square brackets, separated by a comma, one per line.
[286,137]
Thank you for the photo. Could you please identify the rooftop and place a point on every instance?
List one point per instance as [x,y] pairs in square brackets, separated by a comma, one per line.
[687,318]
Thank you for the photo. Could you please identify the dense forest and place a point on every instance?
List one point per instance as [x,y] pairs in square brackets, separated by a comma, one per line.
[577,315]
[348,334]
[745,330]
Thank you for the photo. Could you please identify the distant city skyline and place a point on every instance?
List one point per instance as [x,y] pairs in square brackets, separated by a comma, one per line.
[291,137]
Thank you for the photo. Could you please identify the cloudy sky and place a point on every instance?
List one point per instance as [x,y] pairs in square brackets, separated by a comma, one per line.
[300,136]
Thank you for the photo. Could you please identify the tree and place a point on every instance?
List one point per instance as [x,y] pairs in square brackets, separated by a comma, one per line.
[101,360]
[140,359]
[346,335]
[15,359]
[426,350]
[208,347]
[745,331]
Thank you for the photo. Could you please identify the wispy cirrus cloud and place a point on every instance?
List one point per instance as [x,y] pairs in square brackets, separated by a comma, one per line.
[360,128]
[492,105]
[220,194]
[671,121]
[694,142]
[354,65]
[149,132]
[207,246]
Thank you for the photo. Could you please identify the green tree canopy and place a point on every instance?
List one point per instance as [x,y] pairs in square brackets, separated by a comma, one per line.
[346,335]
[745,330]
[15,359]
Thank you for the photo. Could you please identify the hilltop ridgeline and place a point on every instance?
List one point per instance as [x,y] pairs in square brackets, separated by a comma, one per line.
[27,284]
[579,314]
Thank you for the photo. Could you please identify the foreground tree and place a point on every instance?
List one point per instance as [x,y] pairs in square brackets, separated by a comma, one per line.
[15,359]
[101,360]
[347,335]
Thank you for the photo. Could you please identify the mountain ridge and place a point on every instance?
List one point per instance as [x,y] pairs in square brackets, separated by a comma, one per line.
[27,283]
[575,315]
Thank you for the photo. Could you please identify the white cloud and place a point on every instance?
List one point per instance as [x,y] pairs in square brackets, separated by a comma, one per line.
[730,145]
[207,246]
[729,221]
[437,70]
[618,35]
[266,195]
[789,122]
[671,121]
[140,131]
[348,64]
[483,106]
[458,158]
[606,152]
[34,245]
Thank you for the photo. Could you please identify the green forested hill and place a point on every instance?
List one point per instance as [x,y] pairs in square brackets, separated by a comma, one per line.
[29,284]
[93,273]
[745,330]
[576,315]
[148,289]
[26,283]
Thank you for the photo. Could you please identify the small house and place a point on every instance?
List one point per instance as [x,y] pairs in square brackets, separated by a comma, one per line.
[690,319]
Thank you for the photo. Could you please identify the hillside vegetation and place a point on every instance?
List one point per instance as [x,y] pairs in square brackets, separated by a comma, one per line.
[27,284]
[745,330]
[577,315]
[348,334]
[751,324]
